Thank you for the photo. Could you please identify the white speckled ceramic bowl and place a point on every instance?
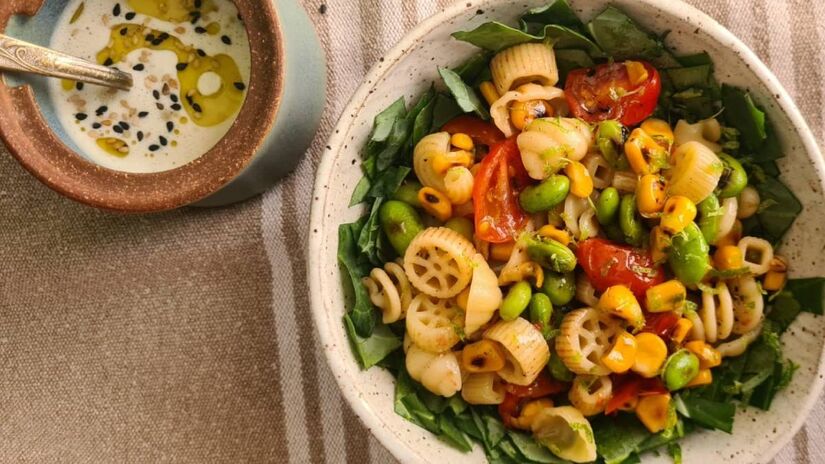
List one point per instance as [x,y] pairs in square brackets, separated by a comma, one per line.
[408,70]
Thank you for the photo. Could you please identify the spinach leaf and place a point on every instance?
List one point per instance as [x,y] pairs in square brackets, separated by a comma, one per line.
[633,459]
[620,37]
[363,313]
[697,59]
[476,66]
[771,149]
[808,292]
[784,309]
[370,235]
[662,438]
[453,434]
[763,396]
[568,60]
[359,195]
[495,36]
[445,110]
[388,182]
[397,139]
[531,450]
[742,113]
[467,425]
[710,414]
[371,350]
[618,437]
[495,429]
[465,96]
[762,359]
[558,12]
[778,210]
[675,452]
[385,121]
[694,76]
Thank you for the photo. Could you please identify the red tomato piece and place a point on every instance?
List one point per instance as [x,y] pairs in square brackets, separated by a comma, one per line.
[628,387]
[606,92]
[499,180]
[607,264]
[661,324]
[480,131]
[517,395]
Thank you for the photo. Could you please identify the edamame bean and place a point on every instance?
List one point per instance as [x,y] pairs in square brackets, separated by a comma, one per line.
[541,310]
[401,223]
[688,257]
[607,206]
[408,193]
[680,369]
[516,301]
[710,218]
[610,137]
[546,195]
[614,232]
[461,225]
[551,254]
[558,370]
[632,228]
[559,287]
[734,178]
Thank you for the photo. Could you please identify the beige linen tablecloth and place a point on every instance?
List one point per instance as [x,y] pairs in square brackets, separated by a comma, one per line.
[187,337]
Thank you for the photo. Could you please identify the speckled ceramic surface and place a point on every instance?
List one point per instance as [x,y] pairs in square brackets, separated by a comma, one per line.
[287,74]
[409,69]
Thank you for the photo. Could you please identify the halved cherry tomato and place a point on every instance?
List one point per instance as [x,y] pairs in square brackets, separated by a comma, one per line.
[500,178]
[517,395]
[628,387]
[661,324]
[607,264]
[480,131]
[607,92]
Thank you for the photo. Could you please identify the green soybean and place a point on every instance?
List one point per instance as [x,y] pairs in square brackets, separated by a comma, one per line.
[558,370]
[516,301]
[559,287]
[461,225]
[734,178]
[401,223]
[607,206]
[689,255]
[631,225]
[680,368]
[610,138]
[408,193]
[541,310]
[551,254]
[710,218]
[546,195]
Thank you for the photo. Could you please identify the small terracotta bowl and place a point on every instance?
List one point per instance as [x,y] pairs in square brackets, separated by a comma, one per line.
[273,129]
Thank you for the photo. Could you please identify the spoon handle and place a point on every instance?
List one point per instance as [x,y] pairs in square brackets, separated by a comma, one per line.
[20,56]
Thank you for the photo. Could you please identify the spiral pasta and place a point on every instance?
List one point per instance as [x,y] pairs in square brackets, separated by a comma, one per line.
[437,262]
[434,325]
[526,349]
[390,291]
[600,170]
[758,254]
[458,185]
[425,154]
[590,394]
[715,314]
[580,218]
[707,132]
[738,346]
[485,388]
[500,110]
[524,64]
[484,296]
[566,432]
[586,335]
[437,372]
[748,304]
[585,292]
[550,143]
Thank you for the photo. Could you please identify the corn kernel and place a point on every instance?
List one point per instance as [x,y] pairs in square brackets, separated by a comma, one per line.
[443,163]
[644,154]
[774,281]
[651,193]
[669,296]
[659,131]
[623,354]
[528,413]
[435,203]
[462,142]
[728,257]
[488,90]
[482,356]
[636,72]
[683,327]
[553,233]
[619,301]
[653,411]
[659,243]
[501,251]
[581,184]
[709,356]
[679,212]
[704,377]
[651,353]
[523,113]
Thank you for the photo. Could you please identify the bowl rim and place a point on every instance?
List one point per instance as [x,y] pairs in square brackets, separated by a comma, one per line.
[678,8]
[31,141]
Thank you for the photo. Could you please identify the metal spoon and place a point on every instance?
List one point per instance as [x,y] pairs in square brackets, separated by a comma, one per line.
[17,55]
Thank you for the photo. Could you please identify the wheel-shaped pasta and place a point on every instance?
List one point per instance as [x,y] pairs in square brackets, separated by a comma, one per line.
[585,292]
[590,394]
[696,172]
[485,388]
[458,185]
[484,296]
[566,433]
[548,144]
[738,346]
[716,313]
[580,218]
[500,110]
[525,347]
[600,170]
[586,335]
[707,132]
[748,304]
[758,254]
[390,291]
[437,372]
[434,324]
[438,262]
[425,154]
[524,64]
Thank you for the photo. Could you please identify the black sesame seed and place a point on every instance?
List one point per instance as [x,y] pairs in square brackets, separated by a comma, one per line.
[189,100]
[182,66]
[140,136]
[174,98]
[170,126]
[154,148]
[200,30]
[108,62]
[150,37]
[163,141]
[201,52]
[116,10]
[81,116]
[198,4]
[156,94]
[130,15]
[225,39]
[125,125]
[197,108]
[96,125]
[176,107]
[139,67]
[143,114]
[117,129]
[102,110]
[124,31]
[163,36]
[79,86]
[157,42]
[159,106]
[240,86]
[322,9]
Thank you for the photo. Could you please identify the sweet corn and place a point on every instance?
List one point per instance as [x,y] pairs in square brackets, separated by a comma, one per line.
[777,275]
[435,203]
[679,213]
[669,296]
[482,356]
[728,257]
[644,154]
[709,356]
[651,193]
[619,301]
[443,163]
[651,353]
[623,354]
[733,236]
[523,113]
[653,411]
[488,90]
[636,72]
[462,142]
[659,131]
[528,413]
[659,243]
[581,184]
[551,232]
[501,251]
[681,330]
[704,377]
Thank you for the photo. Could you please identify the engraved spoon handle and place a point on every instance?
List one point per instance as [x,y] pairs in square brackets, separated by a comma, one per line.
[16,55]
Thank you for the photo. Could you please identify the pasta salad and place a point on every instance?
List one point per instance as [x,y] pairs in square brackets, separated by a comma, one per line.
[570,252]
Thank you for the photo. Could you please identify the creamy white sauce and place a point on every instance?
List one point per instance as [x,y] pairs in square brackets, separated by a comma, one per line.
[160,135]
